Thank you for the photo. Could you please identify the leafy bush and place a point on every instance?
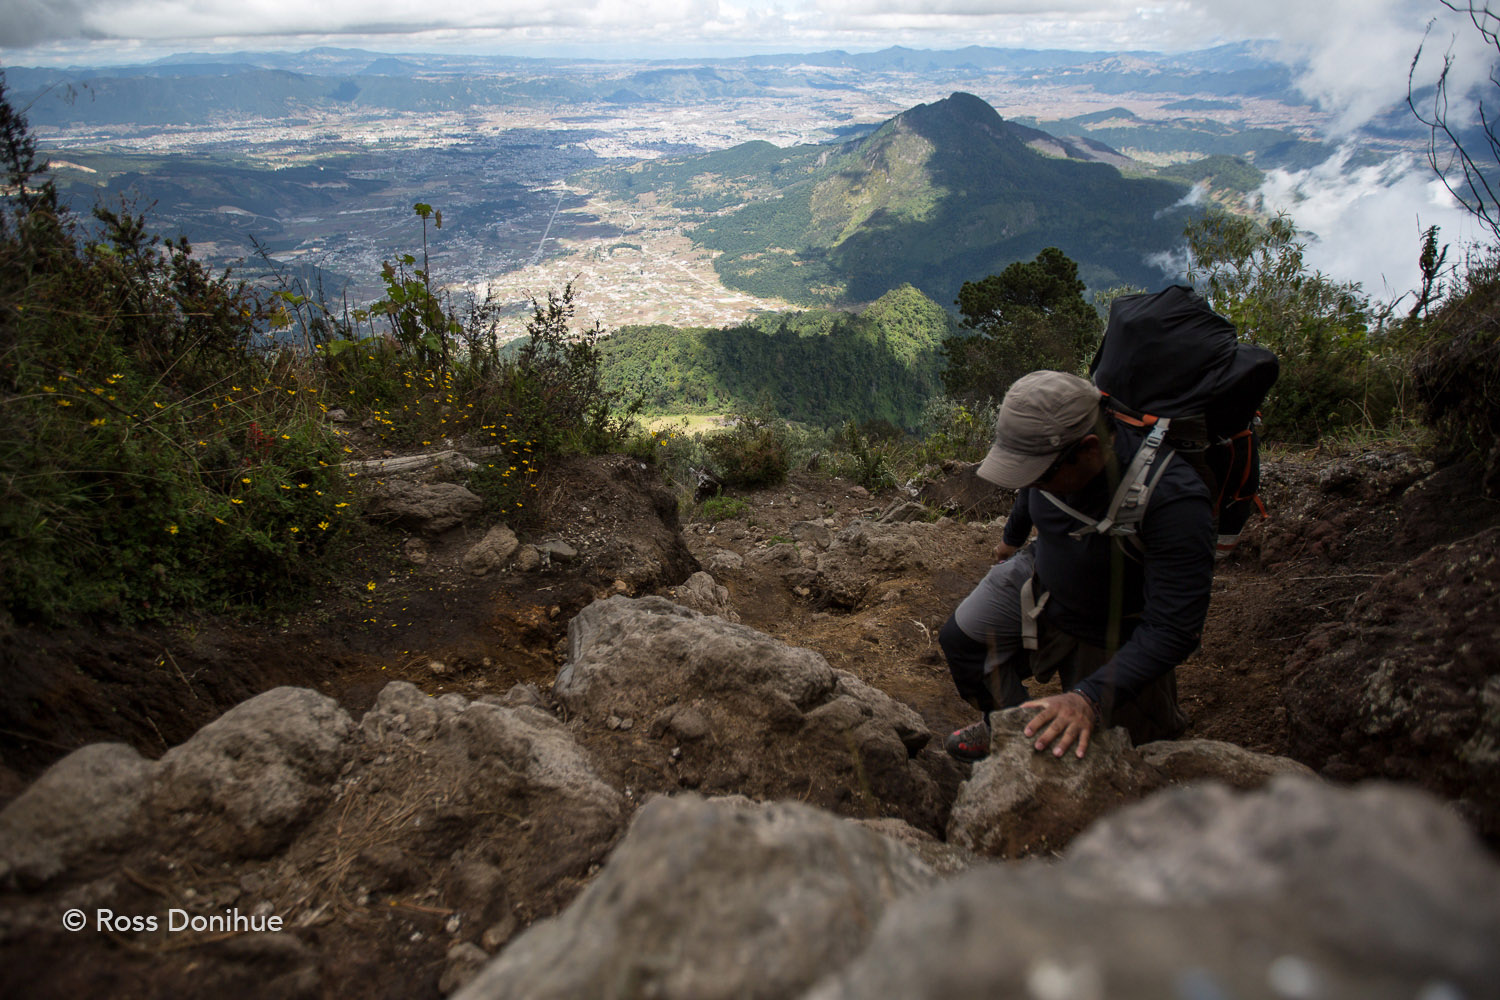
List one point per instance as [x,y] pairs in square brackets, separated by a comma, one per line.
[723,508]
[164,445]
[754,453]
[152,456]
[1321,330]
[1457,372]
[866,460]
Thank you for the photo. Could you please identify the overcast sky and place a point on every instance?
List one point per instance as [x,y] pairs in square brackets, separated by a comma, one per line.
[1353,54]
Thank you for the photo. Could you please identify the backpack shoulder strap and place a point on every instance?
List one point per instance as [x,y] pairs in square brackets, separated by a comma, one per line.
[1128,506]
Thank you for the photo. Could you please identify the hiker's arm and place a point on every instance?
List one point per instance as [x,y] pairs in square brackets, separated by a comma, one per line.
[1178,578]
[1017,526]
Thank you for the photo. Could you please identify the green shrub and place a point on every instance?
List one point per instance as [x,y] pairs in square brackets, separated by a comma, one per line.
[159,450]
[866,461]
[753,454]
[1457,374]
[722,508]
[1321,331]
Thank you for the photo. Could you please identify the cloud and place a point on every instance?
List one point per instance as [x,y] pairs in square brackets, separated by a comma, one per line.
[29,22]
[799,24]
[1354,55]
[182,20]
[1365,225]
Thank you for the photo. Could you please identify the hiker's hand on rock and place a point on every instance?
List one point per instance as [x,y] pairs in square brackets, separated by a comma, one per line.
[1064,720]
[1004,551]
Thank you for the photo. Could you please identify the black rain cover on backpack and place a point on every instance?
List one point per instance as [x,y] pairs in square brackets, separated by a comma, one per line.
[1169,354]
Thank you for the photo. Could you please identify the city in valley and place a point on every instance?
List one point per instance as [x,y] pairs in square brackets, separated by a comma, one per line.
[333,189]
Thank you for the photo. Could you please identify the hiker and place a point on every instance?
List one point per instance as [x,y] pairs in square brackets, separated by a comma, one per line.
[1112,615]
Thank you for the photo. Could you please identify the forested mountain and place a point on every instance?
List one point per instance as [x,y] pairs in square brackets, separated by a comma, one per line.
[942,194]
[820,366]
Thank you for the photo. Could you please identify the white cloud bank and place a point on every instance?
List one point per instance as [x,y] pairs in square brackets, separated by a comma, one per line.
[1366,224]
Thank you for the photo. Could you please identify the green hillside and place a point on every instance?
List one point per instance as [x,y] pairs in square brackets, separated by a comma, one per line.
[1221,173]
[820,367]
[942,194]
[1266,147]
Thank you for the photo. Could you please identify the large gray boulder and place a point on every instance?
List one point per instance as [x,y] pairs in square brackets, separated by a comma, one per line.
[431,508]
[87,803]
[1378,865]
[491,771]
[243,784]
[707,704]
[1183,761]
[712,899]
[1301,890]
[1020,801]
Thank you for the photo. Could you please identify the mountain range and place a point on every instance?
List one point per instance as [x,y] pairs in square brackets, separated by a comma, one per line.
[194,87]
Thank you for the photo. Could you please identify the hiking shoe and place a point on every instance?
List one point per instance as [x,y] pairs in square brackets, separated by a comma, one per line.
[970,743]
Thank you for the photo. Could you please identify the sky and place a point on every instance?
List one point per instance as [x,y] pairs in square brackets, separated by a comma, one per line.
[1351,55]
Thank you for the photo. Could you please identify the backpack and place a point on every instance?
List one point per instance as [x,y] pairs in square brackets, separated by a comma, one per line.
[1170,365]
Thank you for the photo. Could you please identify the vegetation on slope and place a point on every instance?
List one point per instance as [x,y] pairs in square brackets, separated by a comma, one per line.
[160,451]
[819,367]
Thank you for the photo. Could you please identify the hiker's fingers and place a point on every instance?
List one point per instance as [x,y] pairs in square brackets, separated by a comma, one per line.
[1060,723]
[1004,551]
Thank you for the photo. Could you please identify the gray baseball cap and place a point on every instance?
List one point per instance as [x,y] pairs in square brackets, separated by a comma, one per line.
[1043,414]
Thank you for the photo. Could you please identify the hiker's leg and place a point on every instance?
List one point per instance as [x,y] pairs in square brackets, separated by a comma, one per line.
[966,657]
[1154,713]
[982,639]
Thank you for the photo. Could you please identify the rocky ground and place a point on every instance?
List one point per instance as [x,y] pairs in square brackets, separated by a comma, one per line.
[550,685]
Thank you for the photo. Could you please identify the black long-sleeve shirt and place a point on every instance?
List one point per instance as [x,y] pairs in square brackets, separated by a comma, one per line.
[1164,592]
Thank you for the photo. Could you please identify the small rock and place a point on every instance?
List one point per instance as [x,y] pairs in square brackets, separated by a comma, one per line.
[438,667]
[497,934]
[528,559]
[524,694]
[464,962]
[556,548]
[492,552]
[415,550]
